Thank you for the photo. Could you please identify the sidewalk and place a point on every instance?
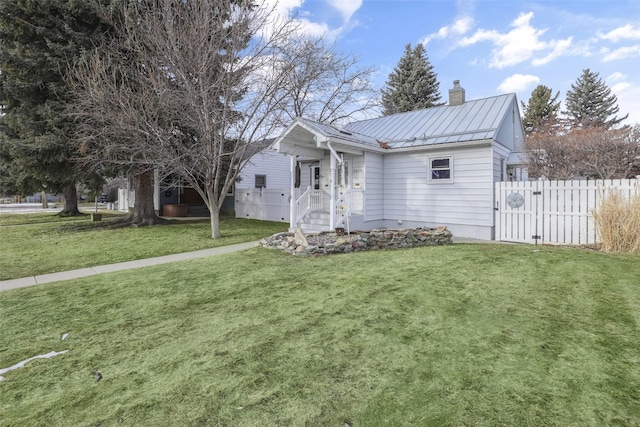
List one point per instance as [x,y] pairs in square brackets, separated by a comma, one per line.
[127,265]
[90,271]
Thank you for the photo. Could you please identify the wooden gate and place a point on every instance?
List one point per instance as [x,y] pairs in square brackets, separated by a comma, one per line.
[557,212]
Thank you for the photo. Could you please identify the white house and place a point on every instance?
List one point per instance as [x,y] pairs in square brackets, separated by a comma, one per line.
[424,168]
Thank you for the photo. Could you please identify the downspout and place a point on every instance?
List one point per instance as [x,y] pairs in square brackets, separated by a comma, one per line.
[332,186]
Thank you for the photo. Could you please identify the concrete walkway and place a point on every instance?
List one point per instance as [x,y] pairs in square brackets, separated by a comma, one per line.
[127,265]
[90,271]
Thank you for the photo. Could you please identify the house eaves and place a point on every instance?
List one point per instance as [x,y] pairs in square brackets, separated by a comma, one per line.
[441,146]
[337,134]
[308,134]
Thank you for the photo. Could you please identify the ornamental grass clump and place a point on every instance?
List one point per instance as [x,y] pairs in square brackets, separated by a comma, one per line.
[617,222]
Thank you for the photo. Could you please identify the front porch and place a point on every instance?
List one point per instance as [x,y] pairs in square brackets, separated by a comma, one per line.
[315,211]
[328,175]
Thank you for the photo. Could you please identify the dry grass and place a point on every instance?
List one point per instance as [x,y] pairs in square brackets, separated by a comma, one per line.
[617,222]
[455,335]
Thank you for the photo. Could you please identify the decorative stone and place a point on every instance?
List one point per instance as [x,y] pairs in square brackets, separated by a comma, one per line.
[300,238]
[326,243]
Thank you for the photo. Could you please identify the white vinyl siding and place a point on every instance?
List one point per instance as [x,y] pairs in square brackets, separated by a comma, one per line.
[374,187]
[510,133]
[275,166]
[500,156]
[467,201]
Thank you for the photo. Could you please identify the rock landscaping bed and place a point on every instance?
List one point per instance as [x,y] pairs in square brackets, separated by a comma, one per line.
[326,243]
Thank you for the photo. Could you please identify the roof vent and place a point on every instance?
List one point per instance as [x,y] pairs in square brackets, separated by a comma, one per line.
[456,95]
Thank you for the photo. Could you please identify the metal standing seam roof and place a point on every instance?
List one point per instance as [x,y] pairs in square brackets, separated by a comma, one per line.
[472,121]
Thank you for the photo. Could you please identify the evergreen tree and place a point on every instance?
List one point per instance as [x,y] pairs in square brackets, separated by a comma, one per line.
[542,109]
[40,41]
[591,104]
[412,85]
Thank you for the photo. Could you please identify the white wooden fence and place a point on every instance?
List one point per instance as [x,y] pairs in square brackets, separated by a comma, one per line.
[557,212]
[262,203]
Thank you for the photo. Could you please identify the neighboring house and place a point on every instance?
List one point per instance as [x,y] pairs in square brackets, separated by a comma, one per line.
[425,168]
[265,169]
[264,185]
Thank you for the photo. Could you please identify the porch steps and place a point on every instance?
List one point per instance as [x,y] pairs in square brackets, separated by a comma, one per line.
[315,221]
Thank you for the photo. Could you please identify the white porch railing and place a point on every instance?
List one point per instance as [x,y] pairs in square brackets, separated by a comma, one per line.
[310,200]
[343,210]
[349,202]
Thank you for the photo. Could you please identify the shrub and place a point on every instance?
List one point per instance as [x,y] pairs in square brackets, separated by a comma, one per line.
[617,222]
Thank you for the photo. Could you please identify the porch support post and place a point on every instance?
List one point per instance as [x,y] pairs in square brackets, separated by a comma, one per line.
[292,198]
[332,192]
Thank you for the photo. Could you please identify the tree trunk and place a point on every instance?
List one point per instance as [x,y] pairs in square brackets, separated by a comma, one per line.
[143,209]
[214,215]
[70,200]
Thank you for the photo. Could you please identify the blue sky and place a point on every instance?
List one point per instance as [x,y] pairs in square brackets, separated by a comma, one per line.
[492,47]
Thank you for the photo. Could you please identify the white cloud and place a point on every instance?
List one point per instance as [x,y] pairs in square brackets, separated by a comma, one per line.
[628,95]
[520,44]
[518,83]
[620,87]
[283,7]
[459,27]
[617,76]
[559,48]
[286,9]
[314,29]
[346,7]
[620,53]
[620,33]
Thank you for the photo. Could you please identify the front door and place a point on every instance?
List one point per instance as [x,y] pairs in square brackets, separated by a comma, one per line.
[315,177]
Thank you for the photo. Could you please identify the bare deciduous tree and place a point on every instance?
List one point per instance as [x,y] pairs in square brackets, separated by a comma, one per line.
[191,87]
[323,84]
[596,153]
[178,89]
[549,155]
[608,154]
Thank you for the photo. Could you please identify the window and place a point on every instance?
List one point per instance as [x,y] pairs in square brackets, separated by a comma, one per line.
[261,181]
[441,169]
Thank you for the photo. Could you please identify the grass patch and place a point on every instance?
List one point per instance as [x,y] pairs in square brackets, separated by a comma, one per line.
[478,335]
[7,219]
[47,248]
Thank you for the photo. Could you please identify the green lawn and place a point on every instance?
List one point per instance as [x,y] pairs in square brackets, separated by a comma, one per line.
[461,335]
[40,218]
[28,250]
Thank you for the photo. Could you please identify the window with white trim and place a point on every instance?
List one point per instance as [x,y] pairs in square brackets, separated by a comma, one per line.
[261,181]
[441,169]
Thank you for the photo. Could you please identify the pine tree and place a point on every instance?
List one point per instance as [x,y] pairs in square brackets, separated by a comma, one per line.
[412,85]
[590,103]
[41,39]
[542,109]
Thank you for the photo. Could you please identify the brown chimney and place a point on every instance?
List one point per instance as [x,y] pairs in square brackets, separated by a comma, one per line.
[456,95]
